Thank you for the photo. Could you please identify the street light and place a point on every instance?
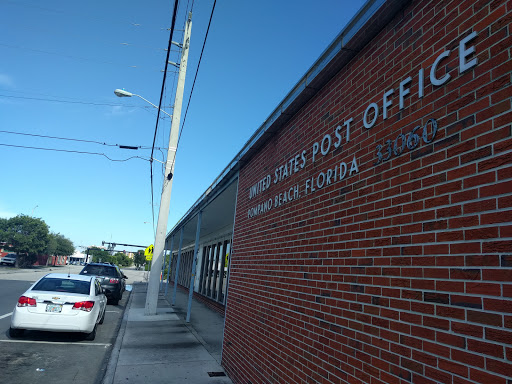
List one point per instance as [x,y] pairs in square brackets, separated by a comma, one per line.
[123,93]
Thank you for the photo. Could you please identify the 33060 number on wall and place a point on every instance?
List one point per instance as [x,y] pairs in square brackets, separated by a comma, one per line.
[410,140]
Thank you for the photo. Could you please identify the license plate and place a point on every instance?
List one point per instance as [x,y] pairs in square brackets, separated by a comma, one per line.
[54,308]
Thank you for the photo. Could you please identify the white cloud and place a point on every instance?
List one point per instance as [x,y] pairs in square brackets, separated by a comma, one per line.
[6,81]
[120,111]
[116,110]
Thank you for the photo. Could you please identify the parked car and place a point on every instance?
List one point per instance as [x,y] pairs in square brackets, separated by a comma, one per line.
[111,278]
[9,259]
[60,302]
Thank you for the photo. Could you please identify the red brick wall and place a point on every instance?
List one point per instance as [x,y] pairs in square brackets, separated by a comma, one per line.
[402,271]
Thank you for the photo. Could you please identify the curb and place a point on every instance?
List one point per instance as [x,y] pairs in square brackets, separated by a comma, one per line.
[114,356]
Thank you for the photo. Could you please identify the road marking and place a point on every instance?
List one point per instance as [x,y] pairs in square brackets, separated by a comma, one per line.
[54,342]
[6,315]
[113,311]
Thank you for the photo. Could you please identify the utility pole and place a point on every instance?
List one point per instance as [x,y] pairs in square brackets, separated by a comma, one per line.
[163,214]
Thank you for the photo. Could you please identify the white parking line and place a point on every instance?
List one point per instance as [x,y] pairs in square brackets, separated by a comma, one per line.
[54,342]
[6,315]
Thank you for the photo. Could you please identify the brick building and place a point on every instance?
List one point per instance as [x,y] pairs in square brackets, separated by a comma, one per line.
[372,232]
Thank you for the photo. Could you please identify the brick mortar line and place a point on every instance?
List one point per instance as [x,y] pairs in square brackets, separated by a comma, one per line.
[440,267]
[395,298]
[251,256]
[451,332]
[268,362]
[399,310]
[295,228]
[398,344]
[388,351]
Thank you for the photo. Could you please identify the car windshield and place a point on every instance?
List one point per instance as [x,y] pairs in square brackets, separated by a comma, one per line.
[99,270]
[63,285]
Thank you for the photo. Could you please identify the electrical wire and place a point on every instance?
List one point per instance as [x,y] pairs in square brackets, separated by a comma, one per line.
[197,70]
[73,57]
[70,151]
[144,107]
[165,70]
[74,102]
[70,139]
[188,104]
[116,23]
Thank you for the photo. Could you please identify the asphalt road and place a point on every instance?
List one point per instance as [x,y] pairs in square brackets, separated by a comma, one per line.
[58,358]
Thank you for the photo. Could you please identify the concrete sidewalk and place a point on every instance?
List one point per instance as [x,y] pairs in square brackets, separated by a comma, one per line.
[163,348]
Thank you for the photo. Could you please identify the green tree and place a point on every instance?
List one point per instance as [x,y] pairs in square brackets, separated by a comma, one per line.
[51,248]
[27,236]
[122,260]
[139,258]
[65,246]
[3,227]
[113,259]
[100,255]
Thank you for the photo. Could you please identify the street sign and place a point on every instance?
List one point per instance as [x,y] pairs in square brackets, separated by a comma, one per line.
[148,252]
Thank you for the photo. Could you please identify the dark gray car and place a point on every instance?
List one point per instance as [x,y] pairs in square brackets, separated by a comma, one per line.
[111,278]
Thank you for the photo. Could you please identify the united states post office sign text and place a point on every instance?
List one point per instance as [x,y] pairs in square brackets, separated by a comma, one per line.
[341,134]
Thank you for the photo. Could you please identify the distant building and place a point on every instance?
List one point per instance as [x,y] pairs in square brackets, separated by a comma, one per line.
[77,257]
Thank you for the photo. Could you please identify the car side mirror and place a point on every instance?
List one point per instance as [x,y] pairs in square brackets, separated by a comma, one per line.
[124,276]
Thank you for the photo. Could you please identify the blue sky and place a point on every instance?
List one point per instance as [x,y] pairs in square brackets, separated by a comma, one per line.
[62,60]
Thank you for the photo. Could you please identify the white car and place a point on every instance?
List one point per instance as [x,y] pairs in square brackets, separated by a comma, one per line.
[9,259]
[60,302]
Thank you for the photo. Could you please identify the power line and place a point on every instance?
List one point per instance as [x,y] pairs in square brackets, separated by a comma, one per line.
[70,151]
[71,56]
[165,71]
[71,139]
[82,15]
[75,102]
[173,22]
[197,71]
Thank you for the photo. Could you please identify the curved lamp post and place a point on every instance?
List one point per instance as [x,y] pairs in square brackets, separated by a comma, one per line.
[123,93]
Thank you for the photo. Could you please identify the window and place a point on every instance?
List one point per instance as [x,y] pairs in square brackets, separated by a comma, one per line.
[213,270]
[99,270]
[97,287]
[63,285]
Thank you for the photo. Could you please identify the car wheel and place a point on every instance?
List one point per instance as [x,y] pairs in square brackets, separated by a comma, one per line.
[91,336]
[103,316]
[15,332]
